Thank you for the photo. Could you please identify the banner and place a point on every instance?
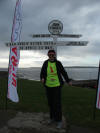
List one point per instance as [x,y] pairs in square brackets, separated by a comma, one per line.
[98,90]
[14,54]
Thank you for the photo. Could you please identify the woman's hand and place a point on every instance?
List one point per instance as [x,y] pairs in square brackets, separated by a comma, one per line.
[70,83]
[42,80]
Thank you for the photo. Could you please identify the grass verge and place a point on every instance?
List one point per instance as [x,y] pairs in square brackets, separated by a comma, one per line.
[77,103]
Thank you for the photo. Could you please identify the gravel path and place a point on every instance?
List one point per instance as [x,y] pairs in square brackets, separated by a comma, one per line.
[19,122]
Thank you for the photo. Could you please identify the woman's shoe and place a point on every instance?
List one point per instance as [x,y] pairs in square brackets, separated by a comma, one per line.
[59,125]
[50,121]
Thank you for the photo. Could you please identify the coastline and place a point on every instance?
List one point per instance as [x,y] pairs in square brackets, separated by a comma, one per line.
[92,83]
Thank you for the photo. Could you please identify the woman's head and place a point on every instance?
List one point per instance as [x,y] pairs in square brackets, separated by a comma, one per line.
[51,54]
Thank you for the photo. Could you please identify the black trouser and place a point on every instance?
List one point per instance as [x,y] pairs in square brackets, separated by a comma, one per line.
[54,102]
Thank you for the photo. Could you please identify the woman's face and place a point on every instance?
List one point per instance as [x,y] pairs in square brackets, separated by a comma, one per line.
[51,56]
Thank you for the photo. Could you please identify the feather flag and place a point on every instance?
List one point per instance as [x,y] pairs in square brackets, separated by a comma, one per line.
[14,54]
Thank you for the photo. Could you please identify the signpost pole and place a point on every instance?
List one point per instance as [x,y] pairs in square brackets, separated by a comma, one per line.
[55,47]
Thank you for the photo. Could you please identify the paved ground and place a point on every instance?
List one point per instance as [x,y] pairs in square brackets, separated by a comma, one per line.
[18,122]
[5,116]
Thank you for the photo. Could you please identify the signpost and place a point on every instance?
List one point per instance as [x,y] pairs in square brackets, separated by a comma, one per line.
[55,27]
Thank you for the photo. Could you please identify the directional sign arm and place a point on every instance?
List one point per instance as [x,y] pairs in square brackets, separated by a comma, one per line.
[40,43]
[40,35]
[72,43]
[49,43]
[58,35]
[46,45]
[70,35]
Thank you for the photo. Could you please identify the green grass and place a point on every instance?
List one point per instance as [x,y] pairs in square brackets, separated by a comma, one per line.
[77,102]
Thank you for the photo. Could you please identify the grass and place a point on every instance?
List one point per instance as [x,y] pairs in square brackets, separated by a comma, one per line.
[77,103]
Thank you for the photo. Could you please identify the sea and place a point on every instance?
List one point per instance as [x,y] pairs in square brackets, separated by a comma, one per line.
[75,73]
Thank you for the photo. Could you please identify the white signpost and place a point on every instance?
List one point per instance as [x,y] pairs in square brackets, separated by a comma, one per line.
[55,27]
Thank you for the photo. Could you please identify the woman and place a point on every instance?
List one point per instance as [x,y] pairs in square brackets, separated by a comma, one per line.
[51,76]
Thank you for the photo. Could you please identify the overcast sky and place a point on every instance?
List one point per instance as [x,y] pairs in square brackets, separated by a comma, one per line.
[78,17]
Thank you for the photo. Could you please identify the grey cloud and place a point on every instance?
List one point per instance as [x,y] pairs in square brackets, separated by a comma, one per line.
[78,17]
[6,13]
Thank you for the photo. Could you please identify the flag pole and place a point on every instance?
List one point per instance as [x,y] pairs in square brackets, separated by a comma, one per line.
[94,111]
[6,105]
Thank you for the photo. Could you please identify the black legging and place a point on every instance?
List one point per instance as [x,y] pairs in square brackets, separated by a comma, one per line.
[54,102]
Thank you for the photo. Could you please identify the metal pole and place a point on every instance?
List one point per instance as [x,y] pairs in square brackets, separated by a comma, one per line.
[55,41]
[1,86]
[7,80]
[94,111]
[6,105]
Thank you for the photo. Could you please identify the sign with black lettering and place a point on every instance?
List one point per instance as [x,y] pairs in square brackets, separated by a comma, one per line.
[45,44]
[55,27]
[59,35]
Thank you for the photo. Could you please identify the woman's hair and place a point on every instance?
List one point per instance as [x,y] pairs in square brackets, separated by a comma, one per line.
[51,51]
